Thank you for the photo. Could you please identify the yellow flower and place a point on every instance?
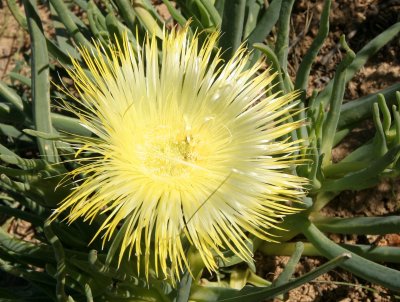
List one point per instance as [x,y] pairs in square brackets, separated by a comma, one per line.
[187,149]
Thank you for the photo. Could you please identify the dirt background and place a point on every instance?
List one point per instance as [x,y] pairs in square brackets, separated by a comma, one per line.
[360,21]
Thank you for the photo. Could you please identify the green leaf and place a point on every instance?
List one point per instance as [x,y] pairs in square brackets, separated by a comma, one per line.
[267,21]
[62,36]
[336,99]
[69,125]
[359,266]
[361,156]
[290,267]
[359,225]
[11,96]
[12,132]
[4,151]
[80,272]
[39,279]
[388,254]
[117,31]
[23,251]
[254,294]
[60,258]
[40,82]
[9,113]
[232,27]
[361,58]
[176,15]
[253,8]
[104,270]
[212,12]
[309,58]
[19,77]
[361,109]
[379,142]
[130,9]
[345,167]
[97,15]
[66,17]
[58,53]
[364,178]
[128,14]
[88,293]
[14,8]
[184,287]
[277,83]
[43,135]
[282,40]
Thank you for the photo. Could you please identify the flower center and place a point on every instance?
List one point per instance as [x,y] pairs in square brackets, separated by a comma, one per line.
[169,152]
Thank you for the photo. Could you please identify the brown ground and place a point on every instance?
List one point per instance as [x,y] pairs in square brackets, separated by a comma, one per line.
[12,42]
[359,20]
